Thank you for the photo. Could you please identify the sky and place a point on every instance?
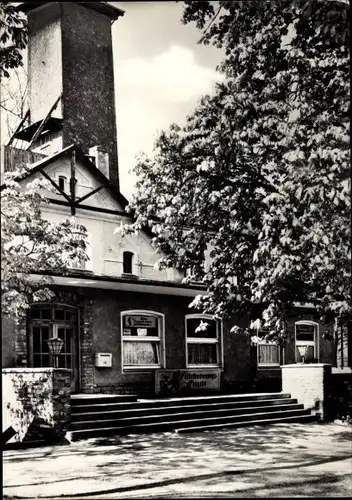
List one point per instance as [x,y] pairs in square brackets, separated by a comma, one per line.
[160,74]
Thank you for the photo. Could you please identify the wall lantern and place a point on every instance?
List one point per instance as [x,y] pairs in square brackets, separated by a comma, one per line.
[302,349]
[55,345]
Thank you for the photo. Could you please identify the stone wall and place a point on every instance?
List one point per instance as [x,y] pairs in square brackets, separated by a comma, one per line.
[36,403]
[310,384]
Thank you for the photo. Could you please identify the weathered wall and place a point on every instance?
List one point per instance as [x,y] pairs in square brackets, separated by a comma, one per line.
[103,334]
[310,384]
[44,61]
[88,86]
[36,402]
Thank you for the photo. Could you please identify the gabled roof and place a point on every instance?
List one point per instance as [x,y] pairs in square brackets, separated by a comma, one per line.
[80,156]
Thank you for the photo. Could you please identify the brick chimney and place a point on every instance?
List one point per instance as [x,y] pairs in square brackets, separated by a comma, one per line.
[70,53]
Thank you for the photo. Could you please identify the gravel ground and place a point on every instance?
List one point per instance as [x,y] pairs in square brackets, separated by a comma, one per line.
[277,460]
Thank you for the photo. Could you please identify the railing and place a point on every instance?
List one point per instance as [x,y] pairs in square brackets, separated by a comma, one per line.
[268,354]
[15,158]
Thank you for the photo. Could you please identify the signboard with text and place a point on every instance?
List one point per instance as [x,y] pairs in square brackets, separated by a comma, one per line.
[140,321]
[178,381]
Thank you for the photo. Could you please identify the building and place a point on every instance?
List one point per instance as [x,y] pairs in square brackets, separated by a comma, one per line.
[122,321]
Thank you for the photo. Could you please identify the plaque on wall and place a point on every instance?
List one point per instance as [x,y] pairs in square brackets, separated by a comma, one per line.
[189,380]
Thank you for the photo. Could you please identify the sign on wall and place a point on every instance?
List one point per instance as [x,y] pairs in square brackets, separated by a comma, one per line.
[175,381]
[140,321]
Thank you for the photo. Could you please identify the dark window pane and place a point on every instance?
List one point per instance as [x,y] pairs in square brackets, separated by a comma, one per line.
[36,340]
[69,362]
[59,314]
[68,315]
[37,361]
[208,333]
[35,313]
[62,361]
[127,262]
[46,313]
[202,354]
[46,360]
[45,333]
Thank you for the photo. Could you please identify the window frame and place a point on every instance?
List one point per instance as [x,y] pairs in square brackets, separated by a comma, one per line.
[314,343]
[280,355]
[134,338]
[202,340]
[53,324]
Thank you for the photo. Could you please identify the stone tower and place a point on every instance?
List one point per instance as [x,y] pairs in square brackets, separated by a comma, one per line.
[70,54]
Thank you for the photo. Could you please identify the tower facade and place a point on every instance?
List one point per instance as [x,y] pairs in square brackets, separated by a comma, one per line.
[70,55]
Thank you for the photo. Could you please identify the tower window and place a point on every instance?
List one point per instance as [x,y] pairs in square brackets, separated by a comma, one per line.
[127,262]
[62,182]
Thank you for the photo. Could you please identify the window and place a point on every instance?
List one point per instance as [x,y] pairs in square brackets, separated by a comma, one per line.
[306,335]
[202,347]
[48,321]
[142,339]
[268,354]
[62,182]
[127,262]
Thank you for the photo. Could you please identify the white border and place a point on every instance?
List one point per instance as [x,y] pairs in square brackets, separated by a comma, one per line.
[309,343]
[161,339]
[218,341]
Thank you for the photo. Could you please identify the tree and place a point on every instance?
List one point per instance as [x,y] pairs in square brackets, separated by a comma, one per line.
[13,102]
[13,38]
[30,244]
[260,174]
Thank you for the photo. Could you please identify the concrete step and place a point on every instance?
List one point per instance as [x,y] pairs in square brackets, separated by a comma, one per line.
[110,414]
[108,405]
[87,400]
[296,418]
[201,422]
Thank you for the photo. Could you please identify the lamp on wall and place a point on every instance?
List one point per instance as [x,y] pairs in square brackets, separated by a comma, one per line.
[302,349]
[55,345]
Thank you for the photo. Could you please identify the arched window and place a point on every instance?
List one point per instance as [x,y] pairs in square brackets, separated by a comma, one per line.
[142,339]
[306,336]
[203,341]
[127,262]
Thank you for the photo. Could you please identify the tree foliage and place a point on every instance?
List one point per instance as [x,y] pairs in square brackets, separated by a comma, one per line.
[260,174]
[31,244]
[13,38]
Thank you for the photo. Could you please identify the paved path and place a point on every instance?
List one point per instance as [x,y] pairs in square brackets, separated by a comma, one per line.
[289,460]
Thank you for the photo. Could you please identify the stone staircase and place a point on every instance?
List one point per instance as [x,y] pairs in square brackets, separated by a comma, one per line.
[102,415]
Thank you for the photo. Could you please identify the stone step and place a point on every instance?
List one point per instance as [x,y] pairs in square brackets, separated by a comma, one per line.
[181,415]
[164,410]
[164,426]
[88,400]
[77,406]
[295,419]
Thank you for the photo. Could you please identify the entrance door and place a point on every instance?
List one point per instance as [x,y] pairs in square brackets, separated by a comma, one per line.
[48,321]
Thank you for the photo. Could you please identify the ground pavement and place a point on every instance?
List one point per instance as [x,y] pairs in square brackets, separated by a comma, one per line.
[277,460]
